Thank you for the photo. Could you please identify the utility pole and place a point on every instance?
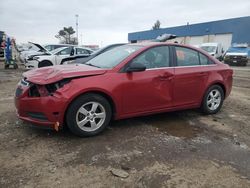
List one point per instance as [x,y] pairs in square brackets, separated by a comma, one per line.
[77,28]
[81,38]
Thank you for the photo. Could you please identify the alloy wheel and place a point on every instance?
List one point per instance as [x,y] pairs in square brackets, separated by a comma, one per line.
[90,116]
[213,99]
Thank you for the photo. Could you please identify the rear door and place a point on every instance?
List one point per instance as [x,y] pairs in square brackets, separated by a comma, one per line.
[190,77]
[153,88]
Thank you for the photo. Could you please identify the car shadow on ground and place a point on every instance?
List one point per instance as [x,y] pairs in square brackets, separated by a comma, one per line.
[177,124]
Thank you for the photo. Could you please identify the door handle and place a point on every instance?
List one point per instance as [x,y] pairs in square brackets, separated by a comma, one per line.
[165,77]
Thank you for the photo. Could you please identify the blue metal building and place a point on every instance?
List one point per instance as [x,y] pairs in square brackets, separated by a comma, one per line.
[238,30]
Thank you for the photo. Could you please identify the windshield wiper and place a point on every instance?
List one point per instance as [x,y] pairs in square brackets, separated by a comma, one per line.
[92,65]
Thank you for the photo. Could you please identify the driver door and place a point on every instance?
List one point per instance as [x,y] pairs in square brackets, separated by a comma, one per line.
[151,89]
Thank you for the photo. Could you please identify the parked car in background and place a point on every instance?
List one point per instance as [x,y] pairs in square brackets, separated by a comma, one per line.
[237,55]
[37,49]
[84,58]
[127,81]
[55,56]
[214,49]
[1,42]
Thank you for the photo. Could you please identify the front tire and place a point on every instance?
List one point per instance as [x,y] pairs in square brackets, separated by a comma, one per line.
[213,100]
[88,115]
[44,64]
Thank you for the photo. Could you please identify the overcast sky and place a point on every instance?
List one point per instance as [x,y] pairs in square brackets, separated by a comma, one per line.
[108,21]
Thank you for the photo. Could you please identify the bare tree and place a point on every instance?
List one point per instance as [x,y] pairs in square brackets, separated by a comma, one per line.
[156,25]
[65,35]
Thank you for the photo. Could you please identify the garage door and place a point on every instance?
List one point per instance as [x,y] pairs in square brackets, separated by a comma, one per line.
[196,40]
[224,39]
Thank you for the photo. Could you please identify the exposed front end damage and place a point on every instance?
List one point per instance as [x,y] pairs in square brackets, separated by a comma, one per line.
[42,104]
[43,94]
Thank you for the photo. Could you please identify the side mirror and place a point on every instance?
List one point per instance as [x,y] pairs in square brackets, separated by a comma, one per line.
[136,67]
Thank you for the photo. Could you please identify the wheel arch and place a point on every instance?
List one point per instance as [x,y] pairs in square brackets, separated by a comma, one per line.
[219,83]
[98,92]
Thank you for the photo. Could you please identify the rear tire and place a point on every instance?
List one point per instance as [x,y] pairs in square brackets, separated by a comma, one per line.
[45,63]
[88,115]
[244,64]
[213,100]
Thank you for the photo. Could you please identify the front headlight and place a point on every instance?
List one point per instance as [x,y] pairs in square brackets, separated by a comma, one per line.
[35,58]
[46,90]
[32,58]
[24,82]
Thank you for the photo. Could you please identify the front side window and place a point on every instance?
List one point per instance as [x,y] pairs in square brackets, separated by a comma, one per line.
[66,51]
[203,59]
[186,57]
[156,57]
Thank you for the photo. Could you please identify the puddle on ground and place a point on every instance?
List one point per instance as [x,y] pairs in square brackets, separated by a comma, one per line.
[173,125]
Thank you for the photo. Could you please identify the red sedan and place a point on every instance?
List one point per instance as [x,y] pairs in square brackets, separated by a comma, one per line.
[127,81]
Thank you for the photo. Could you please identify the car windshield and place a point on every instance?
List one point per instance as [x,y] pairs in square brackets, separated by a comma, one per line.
[113,57]
[51,47]
[209,49]
[97,51]
[57,50]
[237,49]
[244,50]
[106,48]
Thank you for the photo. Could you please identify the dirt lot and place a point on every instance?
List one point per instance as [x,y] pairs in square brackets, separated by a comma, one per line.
[181,149]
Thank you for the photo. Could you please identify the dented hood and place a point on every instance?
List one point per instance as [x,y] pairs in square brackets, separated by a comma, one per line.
[48,75]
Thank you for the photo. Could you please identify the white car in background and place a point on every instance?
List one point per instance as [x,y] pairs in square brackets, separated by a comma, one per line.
[214,49]
[35,49]
[54,57]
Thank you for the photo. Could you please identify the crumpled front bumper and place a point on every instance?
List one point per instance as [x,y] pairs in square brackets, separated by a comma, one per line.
[47,111]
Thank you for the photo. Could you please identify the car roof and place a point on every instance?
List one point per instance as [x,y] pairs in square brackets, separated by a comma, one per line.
[155,44]
[150,44]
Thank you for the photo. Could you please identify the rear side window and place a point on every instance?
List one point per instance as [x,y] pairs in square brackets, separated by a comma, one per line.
[204,60]
[82,51]
[187,57]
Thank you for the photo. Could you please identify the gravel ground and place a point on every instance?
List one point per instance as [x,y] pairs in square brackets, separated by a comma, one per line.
[180,149]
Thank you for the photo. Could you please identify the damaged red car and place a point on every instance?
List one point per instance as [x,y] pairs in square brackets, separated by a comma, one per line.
[127,81]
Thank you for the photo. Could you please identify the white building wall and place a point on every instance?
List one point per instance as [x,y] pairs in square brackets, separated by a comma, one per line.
[224,39]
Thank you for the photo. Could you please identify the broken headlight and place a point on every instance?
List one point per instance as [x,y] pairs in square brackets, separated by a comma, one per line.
[46,90]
